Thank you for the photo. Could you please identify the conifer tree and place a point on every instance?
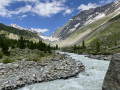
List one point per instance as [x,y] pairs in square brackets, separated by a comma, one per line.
[56,46]
[5,48]
[22,44]
[97,47]
[31,45]
[75,47]
[83,44]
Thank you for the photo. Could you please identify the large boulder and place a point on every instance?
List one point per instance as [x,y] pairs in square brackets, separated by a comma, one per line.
[112,78]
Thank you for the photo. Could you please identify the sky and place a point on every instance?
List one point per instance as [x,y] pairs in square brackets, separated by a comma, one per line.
[44,15]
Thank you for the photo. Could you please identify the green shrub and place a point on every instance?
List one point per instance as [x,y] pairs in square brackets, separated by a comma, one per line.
[7,60]
[35,59]
[29,59]
[1,55]
[42,54]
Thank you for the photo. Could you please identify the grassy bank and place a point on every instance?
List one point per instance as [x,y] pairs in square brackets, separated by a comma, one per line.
[26,54]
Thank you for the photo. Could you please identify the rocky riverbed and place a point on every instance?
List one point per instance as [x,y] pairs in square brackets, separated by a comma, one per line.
[100,57]
[19,74]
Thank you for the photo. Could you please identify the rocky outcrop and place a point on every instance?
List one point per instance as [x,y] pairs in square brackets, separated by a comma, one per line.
[112,78]
[19,74]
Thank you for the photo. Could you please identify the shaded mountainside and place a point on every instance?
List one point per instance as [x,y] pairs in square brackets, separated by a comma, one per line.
[15,33]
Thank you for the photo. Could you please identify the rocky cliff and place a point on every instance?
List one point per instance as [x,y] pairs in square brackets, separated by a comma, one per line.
[112,78]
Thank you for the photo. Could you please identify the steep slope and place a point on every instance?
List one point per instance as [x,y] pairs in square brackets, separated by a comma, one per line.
[89,27]
[109,35]
[15,33]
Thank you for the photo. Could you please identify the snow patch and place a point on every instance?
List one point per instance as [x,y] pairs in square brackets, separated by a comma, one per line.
[101,15]
[77,25]
[73,29]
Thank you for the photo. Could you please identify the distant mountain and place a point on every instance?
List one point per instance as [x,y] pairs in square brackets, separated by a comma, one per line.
[41,35]
[29,29]
[85,18]
[15,33]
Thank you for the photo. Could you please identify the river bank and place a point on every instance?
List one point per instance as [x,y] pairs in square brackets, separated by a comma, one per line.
[19,74]
[99,57]
[91,79]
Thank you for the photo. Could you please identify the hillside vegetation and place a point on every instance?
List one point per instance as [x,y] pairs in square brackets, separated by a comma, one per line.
[86,32]
[7,31]
[107,41]
[15,50]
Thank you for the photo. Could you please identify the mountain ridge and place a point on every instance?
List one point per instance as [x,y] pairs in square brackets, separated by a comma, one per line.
[86,31]
[29,29]
[84,18]
[15,33]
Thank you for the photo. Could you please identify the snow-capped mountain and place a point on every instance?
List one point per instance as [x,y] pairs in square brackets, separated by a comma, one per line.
[84,18]
[29,29]
[35,31]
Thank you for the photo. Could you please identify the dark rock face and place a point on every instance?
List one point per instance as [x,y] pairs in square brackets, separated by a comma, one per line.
[112,78]
[76,22]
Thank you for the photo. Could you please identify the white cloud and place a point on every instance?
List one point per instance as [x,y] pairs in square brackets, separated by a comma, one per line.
[45,9]
[87,7]
[68,11]
[23,16]
[49,8]
[105,2]
[24,9]
[40,30]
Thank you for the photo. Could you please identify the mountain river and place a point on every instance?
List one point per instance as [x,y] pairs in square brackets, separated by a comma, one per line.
[91,79]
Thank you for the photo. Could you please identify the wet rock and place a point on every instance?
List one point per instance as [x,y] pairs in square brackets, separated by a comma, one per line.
[112,78]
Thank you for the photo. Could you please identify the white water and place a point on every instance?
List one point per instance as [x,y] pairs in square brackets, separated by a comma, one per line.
[96,69]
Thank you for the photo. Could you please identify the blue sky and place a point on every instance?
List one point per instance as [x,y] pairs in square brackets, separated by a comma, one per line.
[44,15]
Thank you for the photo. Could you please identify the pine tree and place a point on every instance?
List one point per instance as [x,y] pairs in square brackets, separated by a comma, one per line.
[22,44]
[56,47]
[31,45]
[75,47]
[97,47]
[49,48]
[83,44]
[5,48]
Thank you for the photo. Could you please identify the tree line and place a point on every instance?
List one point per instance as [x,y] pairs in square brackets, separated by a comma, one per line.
[6,43]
